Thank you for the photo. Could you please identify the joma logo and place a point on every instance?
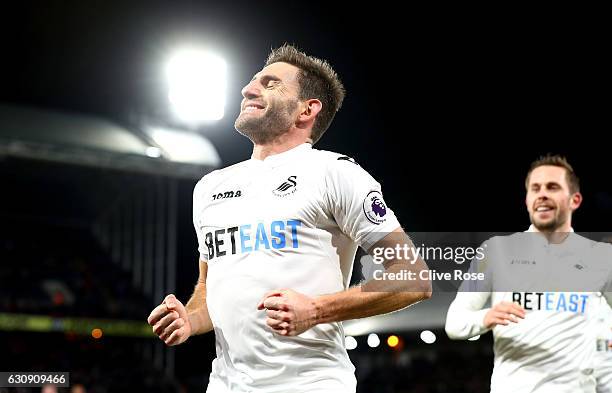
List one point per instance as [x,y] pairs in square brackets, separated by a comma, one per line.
[226,194]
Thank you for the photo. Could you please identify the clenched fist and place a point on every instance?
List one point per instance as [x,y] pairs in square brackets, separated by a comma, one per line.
[170,321]
[289,313]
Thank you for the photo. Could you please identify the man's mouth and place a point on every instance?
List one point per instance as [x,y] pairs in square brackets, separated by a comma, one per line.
[542,209]
[252,108]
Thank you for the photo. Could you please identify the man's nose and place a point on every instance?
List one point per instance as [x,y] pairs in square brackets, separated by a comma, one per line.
[250,90]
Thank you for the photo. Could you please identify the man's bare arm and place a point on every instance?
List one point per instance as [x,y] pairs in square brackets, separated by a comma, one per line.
[174,323]
[376,297]
[291,313]
[197,310]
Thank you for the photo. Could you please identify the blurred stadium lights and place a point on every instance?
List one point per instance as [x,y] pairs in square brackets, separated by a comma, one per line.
[393,341]
[182,146]
[474,338]
[428,337]
[96,333]
[80,326]
[197,85]
[373,340]
[86,140]
[350,342]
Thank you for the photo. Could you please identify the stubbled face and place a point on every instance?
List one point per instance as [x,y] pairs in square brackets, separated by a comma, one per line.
[270,104]
[549,200]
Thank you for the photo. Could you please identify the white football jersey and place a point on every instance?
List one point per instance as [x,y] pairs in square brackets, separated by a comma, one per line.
[603,357]
[551,350]
[293,220]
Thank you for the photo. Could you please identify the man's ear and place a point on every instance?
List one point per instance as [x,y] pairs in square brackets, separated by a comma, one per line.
[575,201]
[310,109]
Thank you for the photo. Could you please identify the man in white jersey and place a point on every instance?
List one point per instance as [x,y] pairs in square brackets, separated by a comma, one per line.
[543,339]
[277,237]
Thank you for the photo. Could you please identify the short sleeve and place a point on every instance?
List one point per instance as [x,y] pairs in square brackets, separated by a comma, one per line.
[356,202]
[198,199]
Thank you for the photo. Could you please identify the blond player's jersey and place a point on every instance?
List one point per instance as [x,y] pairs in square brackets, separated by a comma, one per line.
[551,349]
[293,220]
[603,346]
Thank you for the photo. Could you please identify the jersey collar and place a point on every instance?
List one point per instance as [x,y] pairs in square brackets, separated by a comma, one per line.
[280,158]
[572,241]
[532,228]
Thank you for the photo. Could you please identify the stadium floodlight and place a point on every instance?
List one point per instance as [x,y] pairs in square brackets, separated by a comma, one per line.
[350,342]
[197,85]
[428,337]
[373,340]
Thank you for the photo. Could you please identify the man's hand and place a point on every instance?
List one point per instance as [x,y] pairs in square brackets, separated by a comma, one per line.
[170,321]
[502,314]
[289,313]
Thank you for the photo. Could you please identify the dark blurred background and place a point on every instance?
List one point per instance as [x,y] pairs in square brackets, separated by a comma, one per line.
[446,109]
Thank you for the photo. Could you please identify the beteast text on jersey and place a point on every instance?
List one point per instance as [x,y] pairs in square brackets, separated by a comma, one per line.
[265,236]
[551,301]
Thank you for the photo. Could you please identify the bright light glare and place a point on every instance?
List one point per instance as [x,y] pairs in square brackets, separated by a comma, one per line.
[428,337]
[197,84]
[393,341]
[350,342]
[373,340]
[153,152]
[182,146]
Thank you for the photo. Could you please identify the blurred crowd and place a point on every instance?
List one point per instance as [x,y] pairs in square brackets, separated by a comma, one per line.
[62,271]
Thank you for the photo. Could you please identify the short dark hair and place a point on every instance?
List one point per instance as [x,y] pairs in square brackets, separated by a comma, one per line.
[560,161]
[316,79]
